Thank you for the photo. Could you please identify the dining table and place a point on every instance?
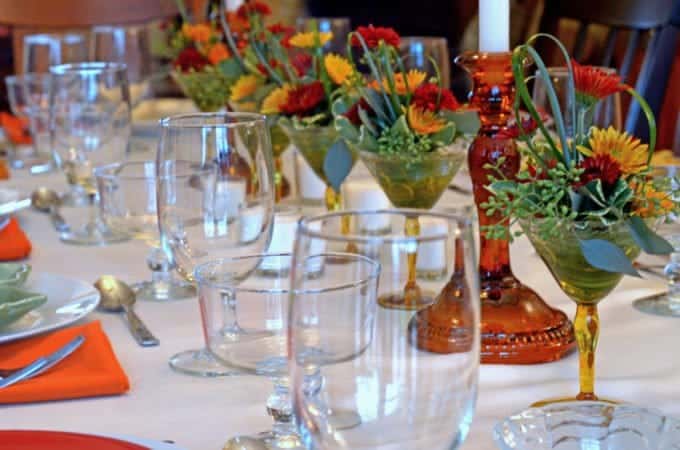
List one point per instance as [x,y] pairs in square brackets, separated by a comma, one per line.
[637,357]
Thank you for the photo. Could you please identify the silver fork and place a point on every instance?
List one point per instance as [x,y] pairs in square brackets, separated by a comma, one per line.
[40,365]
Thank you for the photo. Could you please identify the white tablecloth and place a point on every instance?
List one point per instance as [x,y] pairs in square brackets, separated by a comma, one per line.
[637,358]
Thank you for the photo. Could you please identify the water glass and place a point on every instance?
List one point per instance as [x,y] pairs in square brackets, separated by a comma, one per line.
[42,51]
[418,52]
[339,26]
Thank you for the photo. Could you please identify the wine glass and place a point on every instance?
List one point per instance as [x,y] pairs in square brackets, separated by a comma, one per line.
[127,194]
[42,51]
[339,26]
[417,52]
[413,384]
[204,220]
[129,45]
[29,97]
[89,127]
[263,304]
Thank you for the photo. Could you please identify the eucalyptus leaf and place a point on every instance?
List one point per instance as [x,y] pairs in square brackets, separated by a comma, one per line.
[647,239]
[603,255]
[338,164]
[444,136]
[376,102]
[230,68]
[366,140]
[467,122]
[346,129]
[339,107]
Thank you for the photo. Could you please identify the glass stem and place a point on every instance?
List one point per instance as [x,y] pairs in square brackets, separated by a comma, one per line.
[587,330]
[161,276]
[334,203]
[411,289]
[278,179]
[279,407]
[231,327]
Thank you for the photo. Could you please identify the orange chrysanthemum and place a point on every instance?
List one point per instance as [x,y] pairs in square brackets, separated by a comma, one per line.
[218,53]
[237,24]
[200,32]
[653,203]
[414,78]
[629,152]
[338,68]
[244,87]
[593,84]
[423,121]
[273,103]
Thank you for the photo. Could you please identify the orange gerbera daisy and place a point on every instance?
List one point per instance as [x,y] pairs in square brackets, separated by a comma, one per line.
[423,121]
[244,87]
[593,84]
[653,203]
[218,53]
[275,100]
[308,39]
[629,152]
[414,78]
[338,68]
[200,32]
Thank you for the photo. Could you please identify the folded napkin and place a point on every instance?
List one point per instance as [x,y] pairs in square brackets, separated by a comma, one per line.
[91,371]
[16,129]
[13,242]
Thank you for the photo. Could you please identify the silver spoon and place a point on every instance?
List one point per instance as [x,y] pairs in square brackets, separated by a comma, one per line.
[117,296]
[47,200]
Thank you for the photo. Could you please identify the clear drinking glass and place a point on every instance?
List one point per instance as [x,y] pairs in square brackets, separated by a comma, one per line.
[130,45]
[89,127]
[127,194]
[339,26]
[202,222]
[413,383]
[29,97]
[42,51]
[263,304]
[417,52]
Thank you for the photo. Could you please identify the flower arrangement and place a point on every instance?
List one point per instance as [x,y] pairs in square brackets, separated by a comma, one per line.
[595,179]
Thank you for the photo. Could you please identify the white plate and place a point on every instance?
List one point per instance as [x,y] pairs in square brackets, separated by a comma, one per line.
[146,115]
[153,445]
[68,300]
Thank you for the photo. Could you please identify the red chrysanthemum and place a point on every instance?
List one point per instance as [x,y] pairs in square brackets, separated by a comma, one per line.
[600,167]
[373,35]
[190,58]
[593,84]
[302,62]
[352,113]
[512,132]
[279,28]
[304,99]
[427,95]
[253,7]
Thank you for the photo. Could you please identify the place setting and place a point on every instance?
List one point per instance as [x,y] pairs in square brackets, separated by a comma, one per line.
[258,225]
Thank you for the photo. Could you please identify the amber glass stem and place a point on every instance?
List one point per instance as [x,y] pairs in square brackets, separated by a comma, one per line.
[278,179]
[334,203]
[587,330]
[411,289]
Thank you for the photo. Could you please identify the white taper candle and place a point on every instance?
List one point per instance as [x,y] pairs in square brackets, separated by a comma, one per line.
[494,26]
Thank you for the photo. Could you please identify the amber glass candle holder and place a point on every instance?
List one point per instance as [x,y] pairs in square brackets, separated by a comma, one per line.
[518,327]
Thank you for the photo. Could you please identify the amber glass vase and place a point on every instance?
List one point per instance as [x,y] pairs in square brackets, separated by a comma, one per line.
[518,327]
[584,284]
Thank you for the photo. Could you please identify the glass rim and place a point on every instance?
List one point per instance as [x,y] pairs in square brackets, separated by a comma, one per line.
[201,279]
[68,37]
[434,155]
[108,171]
[90,67]
[198,120]
[27,77]
[304,226]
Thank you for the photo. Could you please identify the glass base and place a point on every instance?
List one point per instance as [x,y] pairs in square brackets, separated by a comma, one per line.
[163,292]
[398,301]
[518,327]
[200,363]
[267,440]
[659,305]
[92,235]
[343,419]
[551,401]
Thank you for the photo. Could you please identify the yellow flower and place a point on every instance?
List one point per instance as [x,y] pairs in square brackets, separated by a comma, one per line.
[273,102]
[308,39]
[414,78]
[244,87]
[629,152]
[653,203]
[198,33]
[338,68]
[423,121]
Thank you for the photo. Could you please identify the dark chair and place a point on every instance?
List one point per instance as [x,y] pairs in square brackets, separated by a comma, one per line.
[649,26]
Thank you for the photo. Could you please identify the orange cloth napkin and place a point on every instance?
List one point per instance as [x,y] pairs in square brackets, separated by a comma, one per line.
[16,129]
[4,170]
[91,371]
[13,242]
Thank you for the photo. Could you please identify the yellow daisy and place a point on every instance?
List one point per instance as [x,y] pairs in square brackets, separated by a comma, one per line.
[629,152]
[273,102]
[414,78]
[338,68]
[423,121]
[308,39]
[244,87]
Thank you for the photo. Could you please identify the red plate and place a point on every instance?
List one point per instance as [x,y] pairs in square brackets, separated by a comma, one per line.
[56,440]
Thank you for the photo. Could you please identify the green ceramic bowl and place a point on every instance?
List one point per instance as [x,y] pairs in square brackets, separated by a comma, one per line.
[15,303]
[14,274]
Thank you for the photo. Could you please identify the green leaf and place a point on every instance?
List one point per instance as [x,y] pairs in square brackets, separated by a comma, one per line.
[231,69]
[603,255]
[503,186]
[400,127]
[467,122]
[262,92]
[366,140]
[444,136]
[594,191]
[346,129]
[621,194]
[339,107]
[338,164]
[647,239]
[375,101]
[367,122]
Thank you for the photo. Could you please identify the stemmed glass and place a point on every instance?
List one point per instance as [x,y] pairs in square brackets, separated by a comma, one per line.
[207,219]
[89,127]
[339,26]
[263,304]
[42,51]
[418,52]
[128,205]
[413,384]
